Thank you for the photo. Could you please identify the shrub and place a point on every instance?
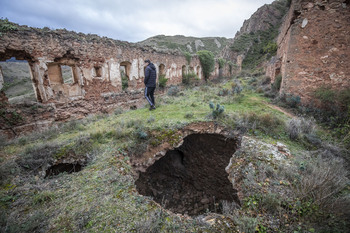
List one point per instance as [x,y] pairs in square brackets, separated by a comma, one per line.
[270,48]
[189,78]
[125,81]
[223,92]
[298,126]
[207,61]
[231,66]
[188,57]
[236,87]
[221,62]
[36,156]
[247,224]
[162,81]
[277,83]
[216,112]
[322,182]
[118,111]
[173,91]
[293,100]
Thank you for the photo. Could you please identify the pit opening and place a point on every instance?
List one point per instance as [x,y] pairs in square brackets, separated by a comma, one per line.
[63,167]
[191,179]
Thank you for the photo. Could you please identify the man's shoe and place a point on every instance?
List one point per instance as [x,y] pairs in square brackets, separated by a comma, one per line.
[152,107]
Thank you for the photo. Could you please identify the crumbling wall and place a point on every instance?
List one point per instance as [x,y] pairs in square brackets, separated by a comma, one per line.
[313,47]
[95,64]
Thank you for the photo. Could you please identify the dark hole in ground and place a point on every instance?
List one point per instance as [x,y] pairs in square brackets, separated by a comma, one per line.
[192,179]
[63,167]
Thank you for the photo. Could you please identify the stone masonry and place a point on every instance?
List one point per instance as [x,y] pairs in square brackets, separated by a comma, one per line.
[313,48]
[96,64]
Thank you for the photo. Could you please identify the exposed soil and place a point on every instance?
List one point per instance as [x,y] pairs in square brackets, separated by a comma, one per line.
[191,179]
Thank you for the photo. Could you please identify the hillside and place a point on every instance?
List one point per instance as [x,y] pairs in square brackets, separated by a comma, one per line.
[122,172]
[186,44]
[255,42]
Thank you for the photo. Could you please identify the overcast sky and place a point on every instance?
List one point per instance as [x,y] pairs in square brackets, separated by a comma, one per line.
[134,20]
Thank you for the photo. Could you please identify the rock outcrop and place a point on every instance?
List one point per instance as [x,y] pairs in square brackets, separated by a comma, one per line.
[267,17]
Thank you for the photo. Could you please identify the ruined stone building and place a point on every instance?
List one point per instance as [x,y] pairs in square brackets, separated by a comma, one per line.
[313,47]
[96,65]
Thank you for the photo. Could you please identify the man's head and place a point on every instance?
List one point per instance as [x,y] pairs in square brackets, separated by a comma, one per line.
[147,61]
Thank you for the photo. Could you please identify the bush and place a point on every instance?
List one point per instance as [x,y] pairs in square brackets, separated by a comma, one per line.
[118,111]
[221,62]
[162,81]
[268,123]
[173,91]
[236,87]
[125,81]
[189,78]
[207,61]
[298,126]
[322,182]
[277,83]
[216,112]
[188,57]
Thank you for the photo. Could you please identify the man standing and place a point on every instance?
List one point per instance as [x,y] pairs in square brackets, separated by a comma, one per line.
[150,83]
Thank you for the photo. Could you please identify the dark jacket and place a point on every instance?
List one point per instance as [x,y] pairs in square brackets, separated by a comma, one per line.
[150,76]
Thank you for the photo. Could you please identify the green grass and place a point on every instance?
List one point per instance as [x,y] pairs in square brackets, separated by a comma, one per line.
[102,197]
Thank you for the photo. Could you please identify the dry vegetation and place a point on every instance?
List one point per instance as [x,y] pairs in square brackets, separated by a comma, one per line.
[311,194]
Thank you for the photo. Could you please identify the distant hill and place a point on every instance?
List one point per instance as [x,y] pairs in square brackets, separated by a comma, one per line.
[186,44]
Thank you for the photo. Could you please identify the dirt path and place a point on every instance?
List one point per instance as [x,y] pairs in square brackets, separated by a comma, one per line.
[276,107]
[279,109]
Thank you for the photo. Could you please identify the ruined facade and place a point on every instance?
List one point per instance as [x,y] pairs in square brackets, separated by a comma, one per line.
[97,65]
[94,62]
[313,47]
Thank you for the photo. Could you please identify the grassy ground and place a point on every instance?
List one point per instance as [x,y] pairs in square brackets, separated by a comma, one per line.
[102,197]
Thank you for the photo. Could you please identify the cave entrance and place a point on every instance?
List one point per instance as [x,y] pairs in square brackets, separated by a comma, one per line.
[191,179]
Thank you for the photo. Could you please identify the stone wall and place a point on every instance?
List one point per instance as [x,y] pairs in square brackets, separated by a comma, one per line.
[95,63]
[313,47]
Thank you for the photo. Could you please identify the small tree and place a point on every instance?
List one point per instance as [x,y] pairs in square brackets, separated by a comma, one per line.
[207,61]
[188,57]
[221,62]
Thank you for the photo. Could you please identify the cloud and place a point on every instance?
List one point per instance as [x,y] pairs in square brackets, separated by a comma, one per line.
[134,20]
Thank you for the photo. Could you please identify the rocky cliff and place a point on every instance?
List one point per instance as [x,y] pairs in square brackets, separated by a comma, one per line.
[255,34]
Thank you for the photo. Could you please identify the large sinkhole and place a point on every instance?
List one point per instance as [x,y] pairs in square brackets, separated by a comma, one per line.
[191,179]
